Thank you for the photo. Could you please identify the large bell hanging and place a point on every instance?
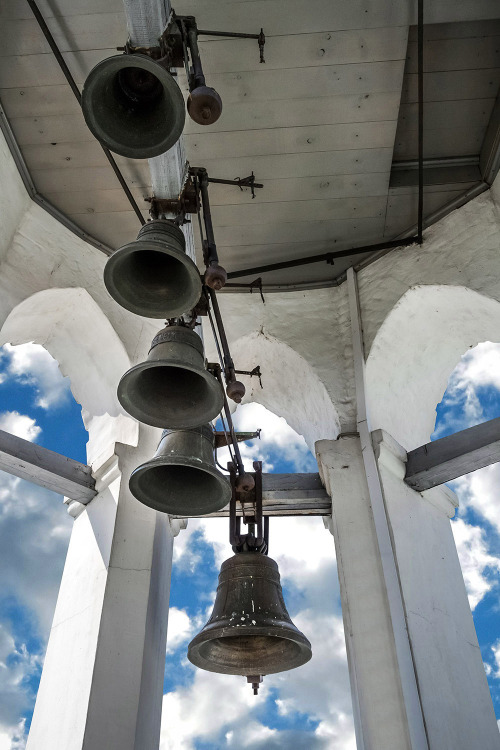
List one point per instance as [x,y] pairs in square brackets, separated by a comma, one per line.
[172,388]
[182,477]
[133,105]
[249,631]
[152,276]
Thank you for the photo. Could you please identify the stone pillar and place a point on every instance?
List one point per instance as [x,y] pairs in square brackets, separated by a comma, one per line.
[452,689]
[102,680]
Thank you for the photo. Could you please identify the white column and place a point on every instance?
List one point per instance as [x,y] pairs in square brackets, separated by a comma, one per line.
[378,701]
[455,698]
[102,680]
[452,689]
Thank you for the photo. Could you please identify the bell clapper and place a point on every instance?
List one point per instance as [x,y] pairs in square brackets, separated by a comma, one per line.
[255,680]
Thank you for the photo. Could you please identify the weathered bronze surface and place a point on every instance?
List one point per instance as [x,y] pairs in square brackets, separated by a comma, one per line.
[204,105]
[152,276]
[249,631]
[133,105]
[172,388]
[182,476]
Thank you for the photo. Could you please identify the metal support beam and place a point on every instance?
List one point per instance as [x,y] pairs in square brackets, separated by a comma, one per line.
[46,468]
[452,456]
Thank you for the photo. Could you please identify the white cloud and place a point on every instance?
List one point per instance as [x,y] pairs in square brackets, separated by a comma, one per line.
[16,665]
[475,560]
[496,658]
[31,364]
[34,533]
[480,491]
[181,628]
[20,424]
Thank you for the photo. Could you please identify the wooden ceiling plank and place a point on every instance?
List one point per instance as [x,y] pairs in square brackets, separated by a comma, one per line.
[440,114]
[11,9]
[456,54]
[69,155]
[96,201]
[19,71]
[402,209]
[442,142]
[303,83]
[50,129]
[303,189]
[88,178]
[221,55]
[290,140]
[286,166]
[453,85]
[259,233]
[298,211]
[90,31]
[39,101]
[434,31]
[299,112]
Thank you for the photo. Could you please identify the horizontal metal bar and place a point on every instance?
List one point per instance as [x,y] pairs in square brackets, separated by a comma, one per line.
[287,495]
[453,456]
[46,468]
[324,257]
[230,34]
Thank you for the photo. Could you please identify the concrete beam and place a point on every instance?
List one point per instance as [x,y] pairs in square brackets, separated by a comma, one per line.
[46,468]
[452,456]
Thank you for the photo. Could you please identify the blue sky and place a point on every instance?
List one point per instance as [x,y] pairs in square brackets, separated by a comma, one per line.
[308,708]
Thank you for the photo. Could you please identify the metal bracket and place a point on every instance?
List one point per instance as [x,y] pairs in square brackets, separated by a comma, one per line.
[257,537]
[255,372]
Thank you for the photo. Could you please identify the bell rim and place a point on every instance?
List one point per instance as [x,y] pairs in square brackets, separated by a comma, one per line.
[302,657]
[149,244]
[203,466]
[165,78]
[212,382]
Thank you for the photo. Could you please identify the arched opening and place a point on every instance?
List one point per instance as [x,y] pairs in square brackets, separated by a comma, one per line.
[414,352]
[37,405]
[50,335]
[472,396]
[298,708]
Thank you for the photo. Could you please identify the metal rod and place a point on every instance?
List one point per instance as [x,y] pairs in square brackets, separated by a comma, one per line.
[420,56]
[232,34]
[238,182]
[67,74]
[207,217]
[324,257]
[232,432]
[228,361]
[197,78]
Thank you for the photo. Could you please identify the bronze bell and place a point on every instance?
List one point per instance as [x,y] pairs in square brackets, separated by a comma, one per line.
[152,276]
[249,631]
[133,105]
[172,388]
[204,105]
[182,477]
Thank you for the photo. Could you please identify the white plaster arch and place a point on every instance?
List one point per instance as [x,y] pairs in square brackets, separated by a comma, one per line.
[291,389]
[415,351]
[75,331]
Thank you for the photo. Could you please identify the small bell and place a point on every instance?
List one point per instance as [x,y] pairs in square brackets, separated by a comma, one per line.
[133,105]
[152,275]
[172,388]
[182,477]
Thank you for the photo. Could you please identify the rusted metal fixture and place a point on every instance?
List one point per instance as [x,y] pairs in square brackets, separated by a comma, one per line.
[235,391]
[182,476]
[222,438]
[172,388]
